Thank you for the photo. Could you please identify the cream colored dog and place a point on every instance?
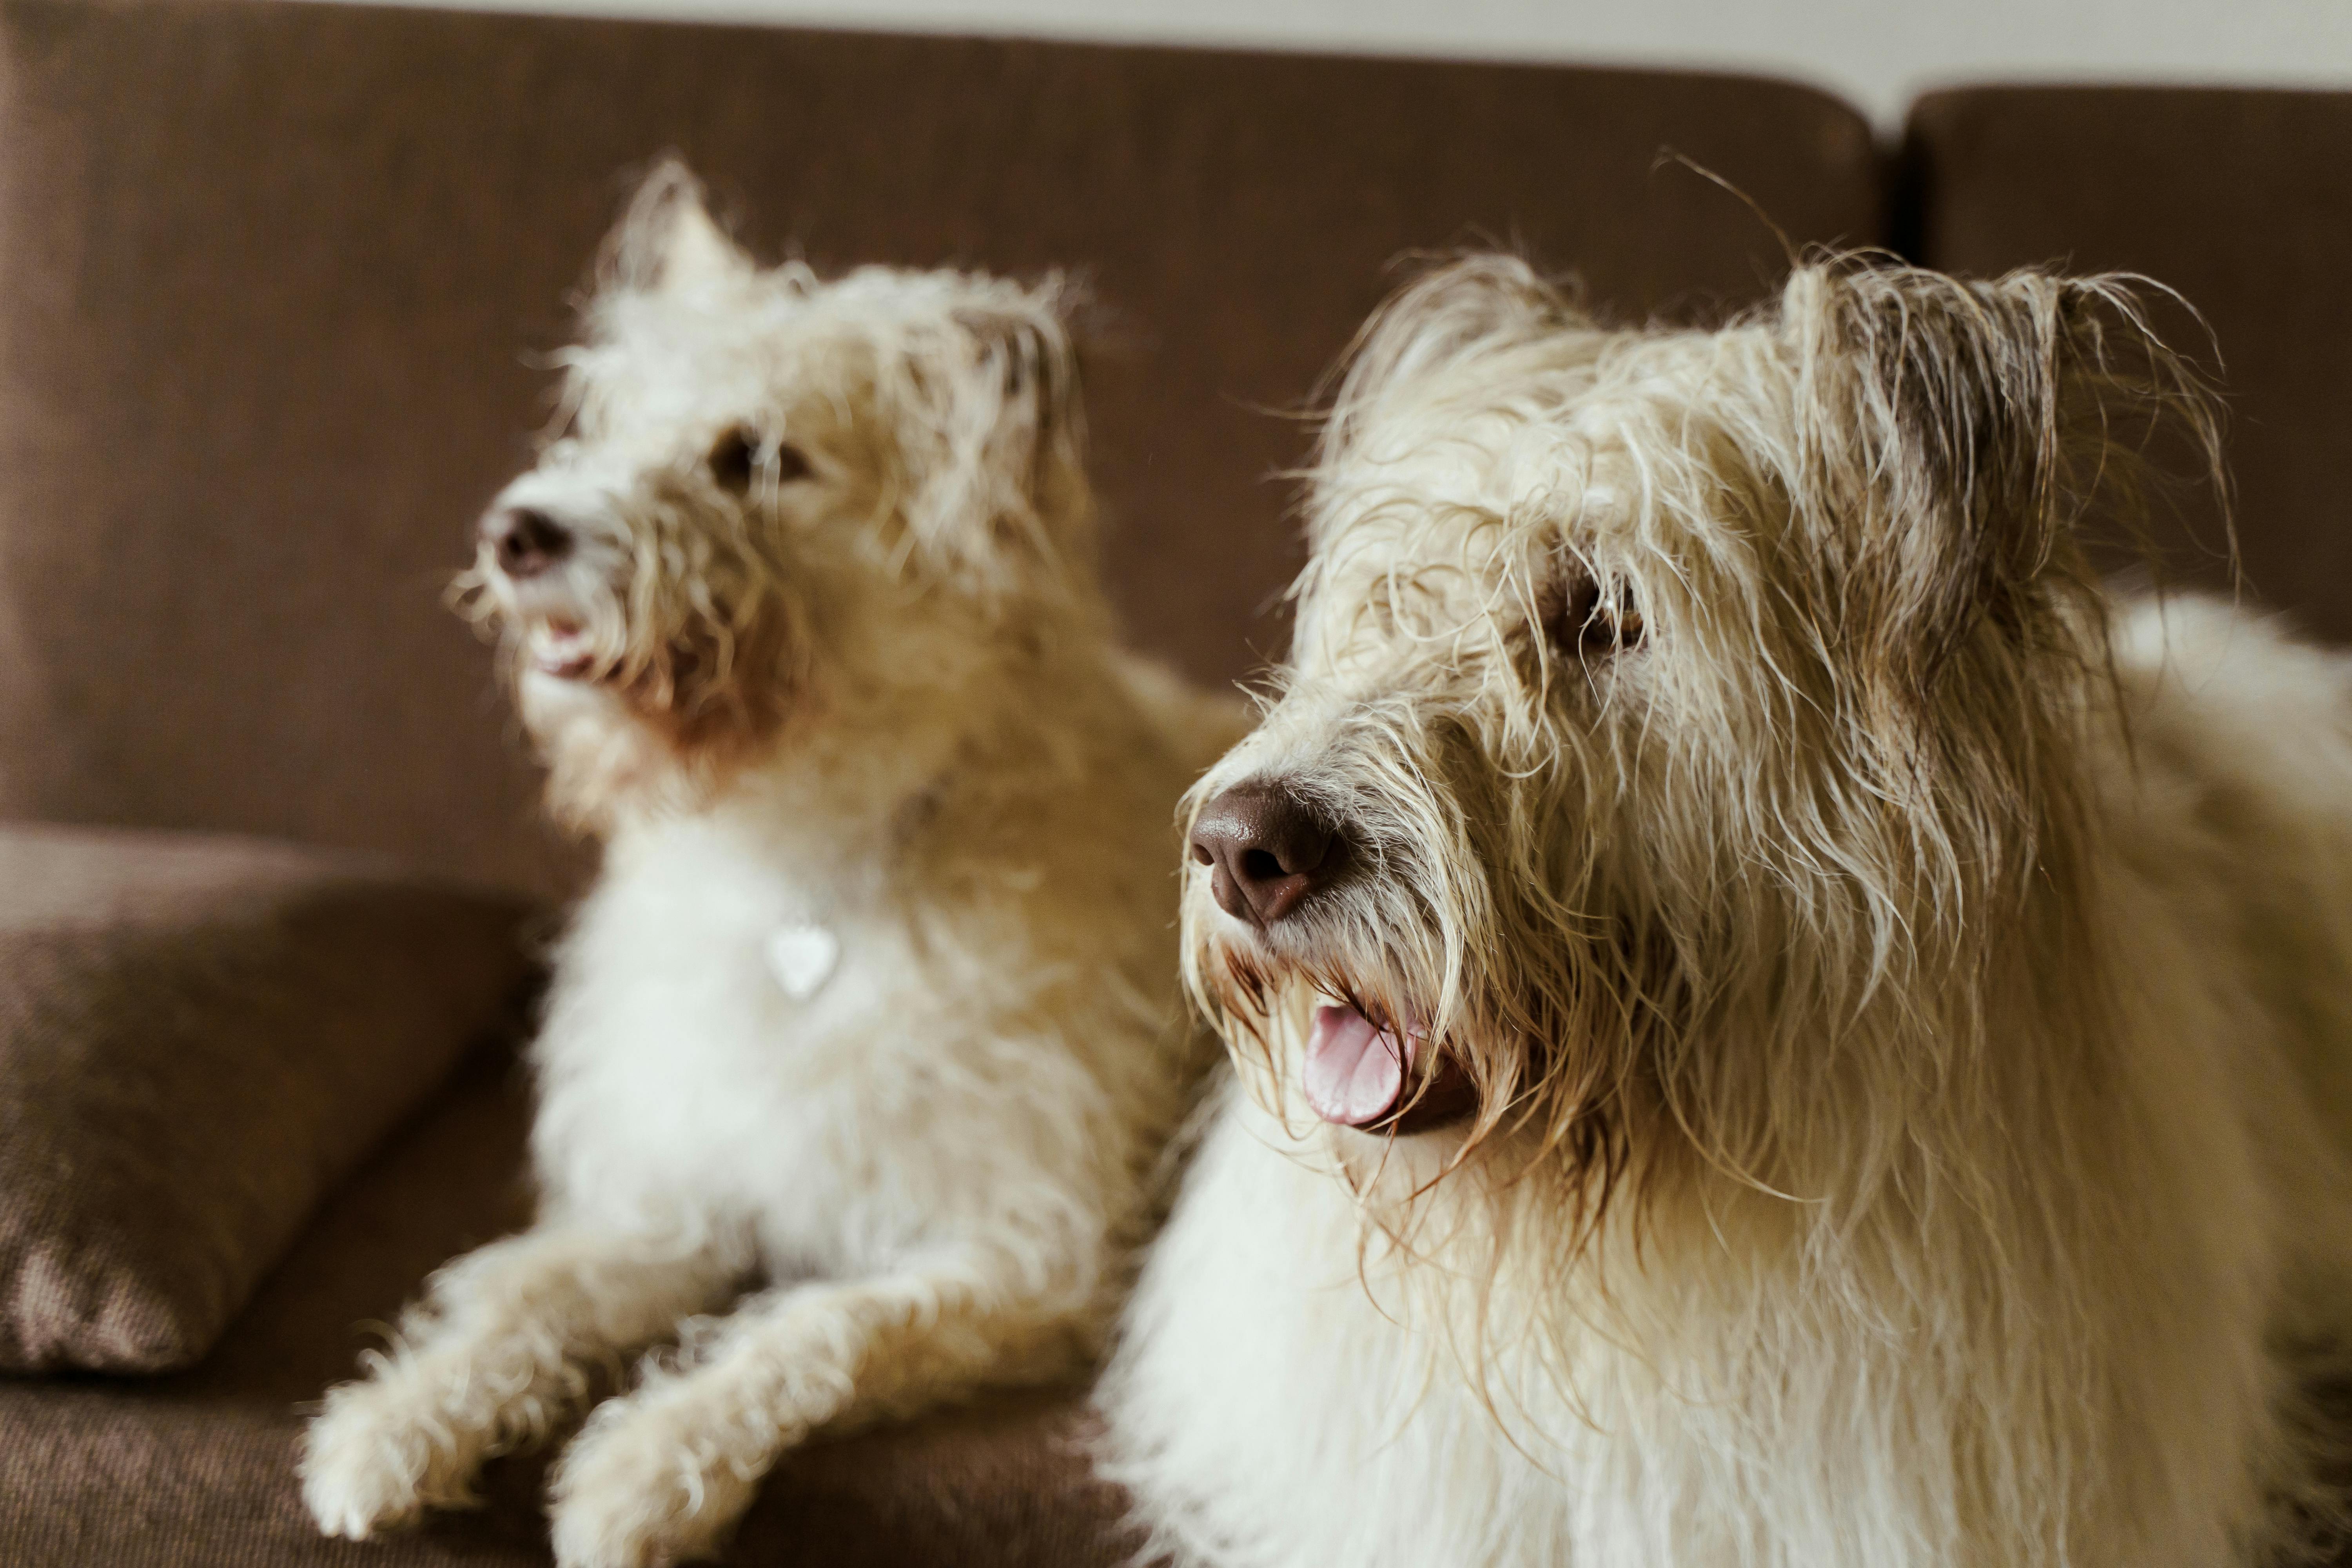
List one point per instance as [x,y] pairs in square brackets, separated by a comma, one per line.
[1776,1024]
[874,1006]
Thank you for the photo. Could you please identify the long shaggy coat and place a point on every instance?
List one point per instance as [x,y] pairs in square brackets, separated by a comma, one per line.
[1907,992]
[872,1012]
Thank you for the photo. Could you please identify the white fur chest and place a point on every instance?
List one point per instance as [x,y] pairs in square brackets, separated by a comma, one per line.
[712,1037]
[1264,1393]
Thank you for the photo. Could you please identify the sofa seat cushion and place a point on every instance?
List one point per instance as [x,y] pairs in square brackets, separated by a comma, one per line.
[197,1471]
[200,1038]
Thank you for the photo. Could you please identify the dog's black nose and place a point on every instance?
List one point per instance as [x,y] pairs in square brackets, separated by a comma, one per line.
[525,540]
[1266,849]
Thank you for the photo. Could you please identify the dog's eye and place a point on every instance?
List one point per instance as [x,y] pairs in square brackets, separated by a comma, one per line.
[737,459]
[1592,622]
[789,462]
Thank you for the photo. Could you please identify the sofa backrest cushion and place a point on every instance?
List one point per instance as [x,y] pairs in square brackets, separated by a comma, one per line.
[2240,200]
[272,277]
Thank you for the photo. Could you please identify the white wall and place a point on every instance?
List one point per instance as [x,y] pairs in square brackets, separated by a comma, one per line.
[1876,52]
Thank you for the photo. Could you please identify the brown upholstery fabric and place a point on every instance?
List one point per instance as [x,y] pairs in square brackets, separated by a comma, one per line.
[197,1471]
[198,1040]
[2242,201]
[269,274]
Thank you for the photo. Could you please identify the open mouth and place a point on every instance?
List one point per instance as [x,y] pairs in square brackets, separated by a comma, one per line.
[1358,1074]
[562,648]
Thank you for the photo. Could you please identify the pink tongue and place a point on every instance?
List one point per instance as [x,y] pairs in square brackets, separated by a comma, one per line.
[1355,1073]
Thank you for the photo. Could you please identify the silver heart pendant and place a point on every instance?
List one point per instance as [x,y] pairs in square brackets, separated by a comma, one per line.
[803,958]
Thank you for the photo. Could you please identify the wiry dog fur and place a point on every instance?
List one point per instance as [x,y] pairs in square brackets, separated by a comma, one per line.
[820,645]
[1908,993]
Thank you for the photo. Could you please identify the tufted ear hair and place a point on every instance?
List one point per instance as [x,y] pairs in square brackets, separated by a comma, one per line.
[1001,413]
[1951,436]
[666,240]
[1452,313]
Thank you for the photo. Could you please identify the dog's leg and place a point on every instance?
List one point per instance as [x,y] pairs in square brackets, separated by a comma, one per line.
[661,1476]
[491,1357]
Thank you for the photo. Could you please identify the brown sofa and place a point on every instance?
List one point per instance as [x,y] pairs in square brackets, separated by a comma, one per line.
[271,276]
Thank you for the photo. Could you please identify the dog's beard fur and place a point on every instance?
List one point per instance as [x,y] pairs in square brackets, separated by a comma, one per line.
[1769,904]
[695,658]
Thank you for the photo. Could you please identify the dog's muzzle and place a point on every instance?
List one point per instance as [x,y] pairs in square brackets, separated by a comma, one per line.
[1267,851]
[524,541]
[527,546]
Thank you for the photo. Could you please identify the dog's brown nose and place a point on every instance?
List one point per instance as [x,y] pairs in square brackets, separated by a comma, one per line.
[1267,850]
[525,540]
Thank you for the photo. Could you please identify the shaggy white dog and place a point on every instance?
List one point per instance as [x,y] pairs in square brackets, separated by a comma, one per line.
[1775,1023]
[874,1004]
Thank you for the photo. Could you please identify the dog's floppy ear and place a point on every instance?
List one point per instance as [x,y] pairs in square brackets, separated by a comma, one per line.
[1951,434]
[1003,485]
[667,242]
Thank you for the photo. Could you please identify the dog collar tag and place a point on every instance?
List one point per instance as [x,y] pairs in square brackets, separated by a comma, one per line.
[802,958]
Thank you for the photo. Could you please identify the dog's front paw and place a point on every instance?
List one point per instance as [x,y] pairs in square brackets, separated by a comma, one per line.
[634,1492]
[377,1458]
